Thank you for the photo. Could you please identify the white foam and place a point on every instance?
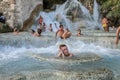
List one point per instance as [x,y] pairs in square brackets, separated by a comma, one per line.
[76,47]
[8,52]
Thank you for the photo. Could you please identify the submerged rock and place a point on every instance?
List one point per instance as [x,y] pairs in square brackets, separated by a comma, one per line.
[96,74]
[81,58]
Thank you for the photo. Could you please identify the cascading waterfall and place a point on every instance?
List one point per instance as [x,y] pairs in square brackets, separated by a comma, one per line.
[62,13]
[96,16]
[95,11]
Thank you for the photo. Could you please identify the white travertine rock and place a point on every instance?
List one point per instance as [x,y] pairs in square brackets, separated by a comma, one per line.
[18,10]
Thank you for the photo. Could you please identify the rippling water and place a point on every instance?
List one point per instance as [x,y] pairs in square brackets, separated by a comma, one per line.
[21,60]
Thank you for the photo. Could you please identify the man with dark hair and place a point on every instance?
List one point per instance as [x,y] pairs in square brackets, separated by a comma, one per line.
[64,52]
[60,31]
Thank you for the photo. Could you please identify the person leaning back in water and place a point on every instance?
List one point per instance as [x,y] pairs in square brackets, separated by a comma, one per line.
[66,34]
[64,52]
[63,34]
[60,31]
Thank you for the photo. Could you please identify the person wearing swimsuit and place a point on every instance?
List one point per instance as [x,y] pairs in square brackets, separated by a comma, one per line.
[105,24]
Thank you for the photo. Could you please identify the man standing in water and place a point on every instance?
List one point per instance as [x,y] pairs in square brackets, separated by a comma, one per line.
[63,34]
[60,31]
[117,36]
[40,21]
[64,52]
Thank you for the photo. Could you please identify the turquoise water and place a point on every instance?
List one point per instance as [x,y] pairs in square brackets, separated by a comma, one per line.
[26,60]
[34,58]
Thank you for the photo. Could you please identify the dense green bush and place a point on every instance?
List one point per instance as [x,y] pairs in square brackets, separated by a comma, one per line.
[111,8]
[5,28]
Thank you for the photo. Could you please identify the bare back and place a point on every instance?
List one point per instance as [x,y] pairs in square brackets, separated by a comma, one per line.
[60,33]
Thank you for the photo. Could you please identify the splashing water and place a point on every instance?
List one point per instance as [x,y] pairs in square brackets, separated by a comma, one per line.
[75,9]
[95,11]
[39,54]
[96,15]
[44,58]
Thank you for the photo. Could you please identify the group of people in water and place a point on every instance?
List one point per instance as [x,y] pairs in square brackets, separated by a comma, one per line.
[105,24]
[65,33]
[61,32]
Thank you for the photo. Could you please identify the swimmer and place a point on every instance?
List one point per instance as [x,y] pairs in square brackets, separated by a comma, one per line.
[64,52]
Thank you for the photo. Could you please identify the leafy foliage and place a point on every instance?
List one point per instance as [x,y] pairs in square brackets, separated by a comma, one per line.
[5,28]
[111,8]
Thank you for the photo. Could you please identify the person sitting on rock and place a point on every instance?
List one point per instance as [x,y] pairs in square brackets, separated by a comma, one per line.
[64,52]
[117,36]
